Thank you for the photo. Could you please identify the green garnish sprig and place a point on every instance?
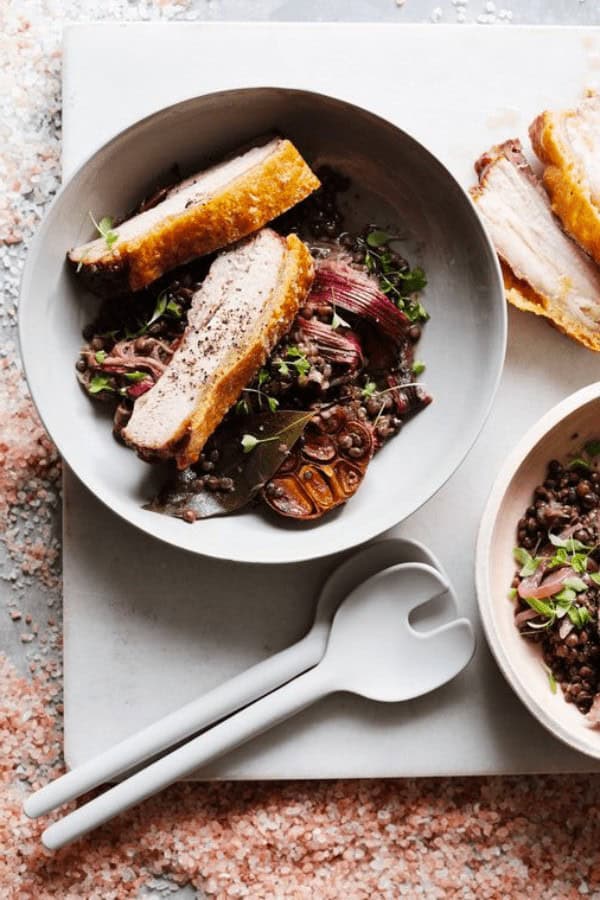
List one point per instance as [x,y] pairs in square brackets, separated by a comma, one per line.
[296,359]
[105,229]
[569,552]
[251,441]
[586,457]
[165,306]
[370,389]
[400,286]
[242,407]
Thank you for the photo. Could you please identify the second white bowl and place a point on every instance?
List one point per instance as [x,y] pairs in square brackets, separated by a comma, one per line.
[557,434]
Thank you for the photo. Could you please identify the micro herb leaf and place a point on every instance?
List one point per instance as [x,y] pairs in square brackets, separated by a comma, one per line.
[299,361]
[272,403]
[378,238]
[174,309]
[418,368]
[584,615]
[100,383]
[570,544]
[560,558]
[416,312]
[283,368]
[100,356]
[105,230]
[579,463]
[263,376]
[512,594]
[595,577]
[567,595]
[578,616]
[136,376]
[579,562]
[414,280]
[592,448]
[159,309]
[528,563]
[551,679]
[369,389]
[370,262]
[337,321]
[242,408]
[541,607]
[575,584]
[249,442]
[400,286]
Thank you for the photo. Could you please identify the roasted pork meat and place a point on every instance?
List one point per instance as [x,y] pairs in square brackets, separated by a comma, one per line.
[568,144]
[247,302]
[545,271]
[204,213]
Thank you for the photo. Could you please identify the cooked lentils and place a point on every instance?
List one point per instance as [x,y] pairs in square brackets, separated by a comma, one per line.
[567,502]
[315,384]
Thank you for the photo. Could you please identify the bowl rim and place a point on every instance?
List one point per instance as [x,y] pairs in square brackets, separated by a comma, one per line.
[532,437]
[374,525]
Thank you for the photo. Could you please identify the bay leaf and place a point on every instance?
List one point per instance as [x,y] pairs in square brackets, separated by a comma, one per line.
[275,432]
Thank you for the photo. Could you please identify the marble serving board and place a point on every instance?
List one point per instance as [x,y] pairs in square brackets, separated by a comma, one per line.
[147,627]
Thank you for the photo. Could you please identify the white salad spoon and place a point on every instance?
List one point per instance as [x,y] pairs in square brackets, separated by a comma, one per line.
[234,694]
[372,651]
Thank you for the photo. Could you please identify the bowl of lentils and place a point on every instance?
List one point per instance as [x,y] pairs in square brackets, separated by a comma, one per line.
[538,570]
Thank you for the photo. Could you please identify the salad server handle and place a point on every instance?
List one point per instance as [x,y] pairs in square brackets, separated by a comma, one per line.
[223,700]
[181,762]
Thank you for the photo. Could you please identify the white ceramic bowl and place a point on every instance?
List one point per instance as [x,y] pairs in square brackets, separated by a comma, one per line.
[396,180]
[561,431]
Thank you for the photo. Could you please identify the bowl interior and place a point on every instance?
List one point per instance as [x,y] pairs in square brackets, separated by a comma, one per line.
[521,660]
[396,182]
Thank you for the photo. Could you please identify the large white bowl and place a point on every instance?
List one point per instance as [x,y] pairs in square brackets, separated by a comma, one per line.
[561,431]
[395,180]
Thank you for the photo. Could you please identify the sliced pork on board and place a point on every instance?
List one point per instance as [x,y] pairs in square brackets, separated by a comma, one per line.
[246,304]
[202,214]
[568,144]
[545,271]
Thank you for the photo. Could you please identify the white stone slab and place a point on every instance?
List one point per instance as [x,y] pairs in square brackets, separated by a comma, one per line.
[147,627]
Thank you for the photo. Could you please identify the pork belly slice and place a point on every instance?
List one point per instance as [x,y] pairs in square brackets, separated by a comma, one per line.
[204,213]
[246,304]
[545,271]
[568,144]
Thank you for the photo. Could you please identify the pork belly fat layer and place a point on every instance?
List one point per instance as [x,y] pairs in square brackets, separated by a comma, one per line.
[247,302]
[529,239]
[204,213]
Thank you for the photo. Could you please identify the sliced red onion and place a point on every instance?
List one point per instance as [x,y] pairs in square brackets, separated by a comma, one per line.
[120,365]
[136,390]
[530,587]
[336,347]
[566,627]
[339,284]
[524,616]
